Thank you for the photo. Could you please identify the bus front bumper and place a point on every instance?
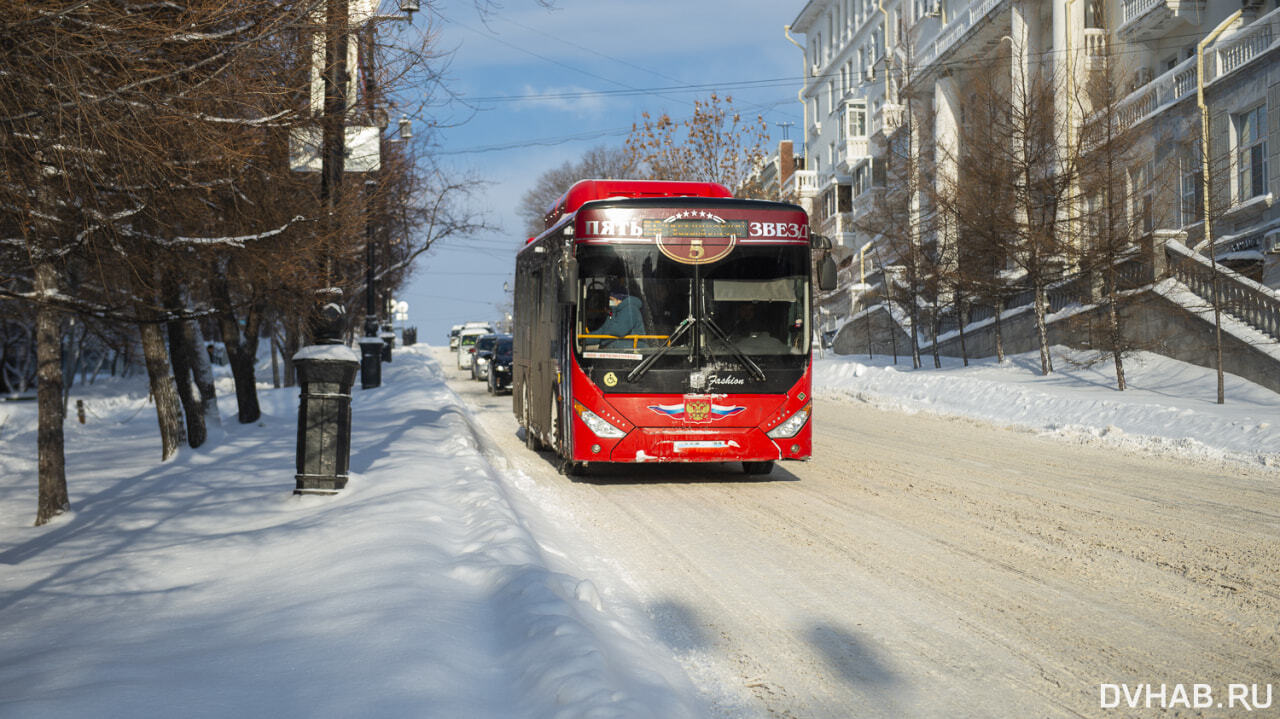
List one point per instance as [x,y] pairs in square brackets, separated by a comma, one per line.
[666,444]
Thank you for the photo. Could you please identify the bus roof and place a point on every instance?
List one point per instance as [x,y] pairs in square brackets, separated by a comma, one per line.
[584,191]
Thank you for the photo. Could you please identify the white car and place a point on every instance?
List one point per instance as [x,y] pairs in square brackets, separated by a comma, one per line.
[466,342]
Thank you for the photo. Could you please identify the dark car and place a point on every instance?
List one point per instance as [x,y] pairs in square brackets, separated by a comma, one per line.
[500,365]
[480,352]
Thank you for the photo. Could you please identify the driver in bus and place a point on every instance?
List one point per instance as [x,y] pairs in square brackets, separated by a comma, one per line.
[624,319]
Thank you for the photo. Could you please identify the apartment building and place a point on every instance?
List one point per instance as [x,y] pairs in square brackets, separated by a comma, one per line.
[864,58]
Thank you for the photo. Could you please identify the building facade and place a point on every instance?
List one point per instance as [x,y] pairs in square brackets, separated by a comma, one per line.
[877,71]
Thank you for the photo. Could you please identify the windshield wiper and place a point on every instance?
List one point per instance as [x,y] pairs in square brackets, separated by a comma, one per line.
[638,371]
[746,361]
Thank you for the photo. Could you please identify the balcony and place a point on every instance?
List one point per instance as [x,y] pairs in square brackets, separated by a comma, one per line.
[855,150]
[1227,55]
[887,121]
[802,183]
[1095,48]
[840,227]
[1145,20]
[960,25]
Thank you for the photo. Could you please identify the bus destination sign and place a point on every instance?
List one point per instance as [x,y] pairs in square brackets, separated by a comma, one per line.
[695,238]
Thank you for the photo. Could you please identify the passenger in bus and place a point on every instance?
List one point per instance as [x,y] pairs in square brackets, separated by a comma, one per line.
[624,319]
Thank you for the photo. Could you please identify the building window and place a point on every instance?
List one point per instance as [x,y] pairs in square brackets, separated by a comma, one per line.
[1191,185]
[1251,153]
[1141,208]
[856,116]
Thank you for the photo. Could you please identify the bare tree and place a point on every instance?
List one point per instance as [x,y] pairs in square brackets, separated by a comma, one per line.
[715,144]
[600,162]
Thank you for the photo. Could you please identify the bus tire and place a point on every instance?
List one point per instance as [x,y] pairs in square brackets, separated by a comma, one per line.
[555,421]
[530,439]
[757,467]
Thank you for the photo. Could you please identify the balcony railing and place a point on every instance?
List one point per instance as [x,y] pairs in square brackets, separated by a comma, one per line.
[803,183]
[1095,46]
[856,148]
[888,120]
[950,34]
[1143,20]
[1223,57]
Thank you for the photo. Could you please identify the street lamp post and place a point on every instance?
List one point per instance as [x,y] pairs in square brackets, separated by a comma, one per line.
[327,369]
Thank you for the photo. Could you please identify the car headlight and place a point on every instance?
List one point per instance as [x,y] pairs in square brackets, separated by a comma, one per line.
[596,424]
[793,425]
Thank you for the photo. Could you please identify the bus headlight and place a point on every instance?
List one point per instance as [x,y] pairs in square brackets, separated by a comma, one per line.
[793,425]
[596,424]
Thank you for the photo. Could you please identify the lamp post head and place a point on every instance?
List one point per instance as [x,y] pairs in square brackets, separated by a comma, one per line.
[406,128]
[409,6]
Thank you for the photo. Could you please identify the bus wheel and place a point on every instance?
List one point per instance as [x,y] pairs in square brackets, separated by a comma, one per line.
[530,439]
[555,422]
[757,467]
[571,468]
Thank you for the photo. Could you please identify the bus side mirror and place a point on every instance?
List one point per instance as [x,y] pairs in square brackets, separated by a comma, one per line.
[826,273]
[820,242]
[569,282]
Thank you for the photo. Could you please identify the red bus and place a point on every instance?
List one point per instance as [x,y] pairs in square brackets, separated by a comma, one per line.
[666,322]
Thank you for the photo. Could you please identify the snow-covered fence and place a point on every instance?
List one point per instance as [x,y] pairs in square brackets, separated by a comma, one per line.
[1248,301]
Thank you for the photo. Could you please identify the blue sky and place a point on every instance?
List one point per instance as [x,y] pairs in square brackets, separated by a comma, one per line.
[623,54]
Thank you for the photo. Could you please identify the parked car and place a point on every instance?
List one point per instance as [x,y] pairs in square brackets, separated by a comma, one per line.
[500,365]
[455,333]
[482,351]
[467,343]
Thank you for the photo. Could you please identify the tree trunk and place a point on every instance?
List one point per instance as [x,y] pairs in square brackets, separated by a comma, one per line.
[291,346]
[960,312]
[202,373]
[999,326]
[914,317]
[163,390]
[52,469]
[275,359]
[937,328]
[182,357]
[241,352]
[1113,317]
[1042,330]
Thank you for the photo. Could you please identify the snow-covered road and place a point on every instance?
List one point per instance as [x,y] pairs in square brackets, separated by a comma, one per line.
[923,566]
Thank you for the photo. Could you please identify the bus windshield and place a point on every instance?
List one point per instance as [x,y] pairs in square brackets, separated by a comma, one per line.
[648,323]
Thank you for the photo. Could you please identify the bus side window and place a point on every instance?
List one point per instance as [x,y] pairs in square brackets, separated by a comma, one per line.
[595,307]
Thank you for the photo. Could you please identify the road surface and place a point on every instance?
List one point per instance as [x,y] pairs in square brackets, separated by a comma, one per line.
[928,567]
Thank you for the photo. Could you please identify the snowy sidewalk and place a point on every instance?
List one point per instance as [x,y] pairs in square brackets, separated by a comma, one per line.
[1168,408]
[203,587]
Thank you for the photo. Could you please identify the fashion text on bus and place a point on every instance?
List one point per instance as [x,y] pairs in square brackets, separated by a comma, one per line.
[666,322]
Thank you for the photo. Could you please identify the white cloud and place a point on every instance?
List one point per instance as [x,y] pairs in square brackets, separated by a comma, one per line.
[564,98]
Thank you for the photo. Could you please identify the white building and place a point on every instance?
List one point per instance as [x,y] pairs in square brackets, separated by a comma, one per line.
[861,57]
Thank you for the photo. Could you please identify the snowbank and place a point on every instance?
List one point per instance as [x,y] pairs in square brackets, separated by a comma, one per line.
[203,587]
[1169,406]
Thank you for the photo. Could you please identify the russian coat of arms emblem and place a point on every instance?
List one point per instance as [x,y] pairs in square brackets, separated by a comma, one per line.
[697,410]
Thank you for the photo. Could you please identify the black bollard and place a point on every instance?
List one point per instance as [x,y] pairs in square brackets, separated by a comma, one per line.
[326,371]
[389,340]
[325,375]
[371,349]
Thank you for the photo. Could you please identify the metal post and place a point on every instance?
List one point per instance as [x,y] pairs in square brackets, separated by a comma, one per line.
[1208,220]
[370,343]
